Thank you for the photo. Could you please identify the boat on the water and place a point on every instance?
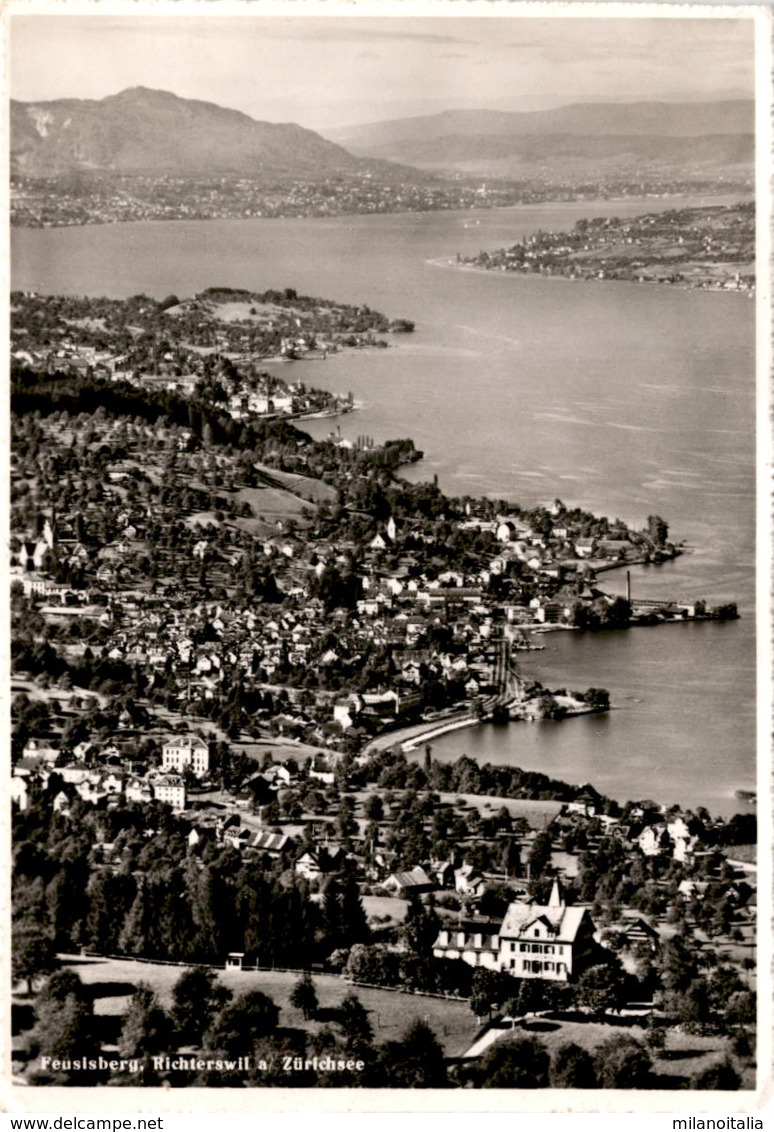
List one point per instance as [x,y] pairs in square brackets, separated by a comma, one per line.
[750,796]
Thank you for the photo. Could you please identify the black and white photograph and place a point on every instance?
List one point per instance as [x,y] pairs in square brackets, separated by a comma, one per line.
[381,491]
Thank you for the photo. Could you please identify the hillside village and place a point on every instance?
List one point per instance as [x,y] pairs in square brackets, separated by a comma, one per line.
[173,344]
[228,639]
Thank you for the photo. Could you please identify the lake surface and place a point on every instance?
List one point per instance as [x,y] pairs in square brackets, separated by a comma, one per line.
[620,398]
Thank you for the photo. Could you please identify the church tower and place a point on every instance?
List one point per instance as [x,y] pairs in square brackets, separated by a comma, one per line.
[556,899]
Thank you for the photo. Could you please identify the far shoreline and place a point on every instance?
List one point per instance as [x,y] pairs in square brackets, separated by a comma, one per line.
[520,206]
[451,263]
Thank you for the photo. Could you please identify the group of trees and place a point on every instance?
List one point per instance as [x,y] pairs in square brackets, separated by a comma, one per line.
[619,1062]
[391,770]
[208,1017]
[602,614]
[161,899]
[525,1063]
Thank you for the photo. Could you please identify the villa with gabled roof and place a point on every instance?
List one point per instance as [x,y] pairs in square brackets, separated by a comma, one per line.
[535,941]
[545,941]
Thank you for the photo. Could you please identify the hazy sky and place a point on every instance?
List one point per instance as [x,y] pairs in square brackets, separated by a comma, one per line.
[324,72]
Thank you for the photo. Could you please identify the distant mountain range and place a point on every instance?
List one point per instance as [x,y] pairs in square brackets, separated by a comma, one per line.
[141,131]
[710,136]
[153,132]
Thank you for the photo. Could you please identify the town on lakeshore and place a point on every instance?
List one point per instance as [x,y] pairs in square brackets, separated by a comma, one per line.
[102,198]
[357,741]
[232,649]
[712,248]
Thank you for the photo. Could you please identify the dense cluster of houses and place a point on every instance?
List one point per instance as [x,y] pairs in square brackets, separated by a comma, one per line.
[554,940]
[180,346]
[162,631]
[248,398]
[419,624]
[173,634]
[106,774]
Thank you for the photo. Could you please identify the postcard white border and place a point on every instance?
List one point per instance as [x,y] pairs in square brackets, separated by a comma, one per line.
[324,1102]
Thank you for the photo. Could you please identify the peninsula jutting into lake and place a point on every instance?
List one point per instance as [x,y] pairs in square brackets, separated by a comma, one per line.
[712,248]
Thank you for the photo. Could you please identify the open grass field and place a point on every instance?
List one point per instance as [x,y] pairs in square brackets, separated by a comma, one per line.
[383,911]
[538,812]
[257,313]
[272,502]
[390,1012]
[305,486]
[279,748]
[29,688]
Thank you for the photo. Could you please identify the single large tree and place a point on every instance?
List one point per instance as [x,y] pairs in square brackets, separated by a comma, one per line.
[522,1064]
[572,1067]
[111,896]
[355,1026]
[539,855]
[344,918]
[416,1061]
[197,996]
[622,1063]
[242,1022]
[658,530]
[147,1029]
[304,996]
[32,952]
[485,991]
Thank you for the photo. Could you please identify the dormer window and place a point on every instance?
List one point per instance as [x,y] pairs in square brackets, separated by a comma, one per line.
[537,932]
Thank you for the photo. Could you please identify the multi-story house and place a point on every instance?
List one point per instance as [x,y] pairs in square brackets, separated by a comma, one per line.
[170,788]
[535,941]
[186,752]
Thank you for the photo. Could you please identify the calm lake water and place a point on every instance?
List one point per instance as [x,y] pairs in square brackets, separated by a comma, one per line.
[623,399]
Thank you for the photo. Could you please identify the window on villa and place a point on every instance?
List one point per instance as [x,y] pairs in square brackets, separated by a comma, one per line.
[537,931]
